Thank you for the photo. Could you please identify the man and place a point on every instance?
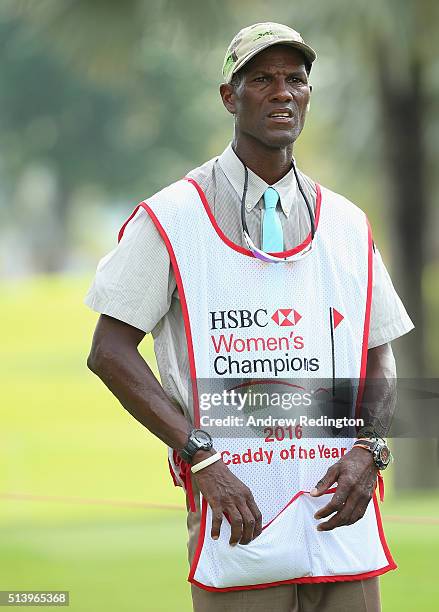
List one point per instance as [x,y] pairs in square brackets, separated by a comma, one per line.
[225,249]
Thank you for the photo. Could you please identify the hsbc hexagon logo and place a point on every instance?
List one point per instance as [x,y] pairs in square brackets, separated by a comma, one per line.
[232,319]
[286,316]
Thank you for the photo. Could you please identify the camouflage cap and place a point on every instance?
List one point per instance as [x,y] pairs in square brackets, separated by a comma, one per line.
[254,39]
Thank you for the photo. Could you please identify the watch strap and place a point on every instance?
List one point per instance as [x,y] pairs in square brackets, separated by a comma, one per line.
[365,446]
[366,443]
[185,454]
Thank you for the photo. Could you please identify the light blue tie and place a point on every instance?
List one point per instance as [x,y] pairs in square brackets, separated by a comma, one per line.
[272,235]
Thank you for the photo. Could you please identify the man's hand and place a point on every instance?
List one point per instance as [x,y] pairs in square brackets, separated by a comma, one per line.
[355,474]
[225,493]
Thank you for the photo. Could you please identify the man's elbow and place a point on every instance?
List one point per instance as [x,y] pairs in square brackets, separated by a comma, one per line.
[381,362]
[93,360]
[99,358]
[114,342]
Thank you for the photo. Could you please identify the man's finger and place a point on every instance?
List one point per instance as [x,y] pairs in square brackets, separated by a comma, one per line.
[339,519]
[248,524]
[217,519]
[236,524]
[358,512]
[257,515]
[335,504]
[325,483]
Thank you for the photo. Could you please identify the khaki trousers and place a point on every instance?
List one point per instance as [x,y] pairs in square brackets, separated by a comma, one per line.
[355,596]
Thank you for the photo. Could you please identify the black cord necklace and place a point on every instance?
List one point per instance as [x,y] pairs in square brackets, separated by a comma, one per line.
[258,252]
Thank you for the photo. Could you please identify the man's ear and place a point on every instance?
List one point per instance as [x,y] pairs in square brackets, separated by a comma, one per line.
[308,106]
[227,93]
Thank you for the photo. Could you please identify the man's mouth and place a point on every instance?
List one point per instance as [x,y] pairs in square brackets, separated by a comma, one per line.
[281,115]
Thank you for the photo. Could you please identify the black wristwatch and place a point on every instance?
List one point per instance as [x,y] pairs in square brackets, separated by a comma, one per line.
[198,440]
[381,454]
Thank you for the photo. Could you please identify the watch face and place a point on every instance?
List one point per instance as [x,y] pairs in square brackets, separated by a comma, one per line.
[202,436]
[384,455]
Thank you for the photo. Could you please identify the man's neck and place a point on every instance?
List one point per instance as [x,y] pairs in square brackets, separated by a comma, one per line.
[268,163]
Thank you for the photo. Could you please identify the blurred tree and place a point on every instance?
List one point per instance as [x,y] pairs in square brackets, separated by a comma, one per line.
[396,40]
[127,134]
[50,118]
[403,95]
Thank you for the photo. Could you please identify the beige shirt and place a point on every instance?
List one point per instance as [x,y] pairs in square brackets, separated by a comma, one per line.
[135,282]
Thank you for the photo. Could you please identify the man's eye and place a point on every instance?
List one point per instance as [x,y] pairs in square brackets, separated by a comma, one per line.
[261,78]
[296,80]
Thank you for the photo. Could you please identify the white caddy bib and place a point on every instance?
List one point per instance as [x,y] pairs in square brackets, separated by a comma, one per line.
[314,322]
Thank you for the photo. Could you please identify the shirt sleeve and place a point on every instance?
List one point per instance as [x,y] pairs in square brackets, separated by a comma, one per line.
[388,317]
[135,281]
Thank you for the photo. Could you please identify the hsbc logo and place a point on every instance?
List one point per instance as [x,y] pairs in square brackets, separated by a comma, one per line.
[286,316]
[237,319]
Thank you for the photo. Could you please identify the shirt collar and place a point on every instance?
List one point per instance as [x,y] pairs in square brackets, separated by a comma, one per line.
[233,168]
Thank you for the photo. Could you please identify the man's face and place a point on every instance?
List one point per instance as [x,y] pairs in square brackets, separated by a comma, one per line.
[274,81]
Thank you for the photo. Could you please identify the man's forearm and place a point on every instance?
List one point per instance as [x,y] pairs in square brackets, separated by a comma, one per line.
[379,398]
[115,359]
[124,371]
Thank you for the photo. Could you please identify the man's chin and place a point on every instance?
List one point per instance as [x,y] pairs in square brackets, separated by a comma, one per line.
[280,140]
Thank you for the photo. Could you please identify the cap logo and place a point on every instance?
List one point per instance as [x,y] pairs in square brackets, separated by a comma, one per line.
[266,33]
[228,63]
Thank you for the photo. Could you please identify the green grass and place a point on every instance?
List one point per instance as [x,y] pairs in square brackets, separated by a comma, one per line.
[63,434]
[132,562]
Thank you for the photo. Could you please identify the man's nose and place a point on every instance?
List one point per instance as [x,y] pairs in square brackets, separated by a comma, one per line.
[281,91]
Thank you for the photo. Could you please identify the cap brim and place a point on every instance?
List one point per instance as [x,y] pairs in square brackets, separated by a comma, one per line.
[307,51]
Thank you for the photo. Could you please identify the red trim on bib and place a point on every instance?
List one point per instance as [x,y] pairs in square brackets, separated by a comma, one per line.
[380,481]
[184,308]
[200,544]
[242,250]
[306,580]
[185,473]
[392,564]
[364,349]
[174,478]
[293,499]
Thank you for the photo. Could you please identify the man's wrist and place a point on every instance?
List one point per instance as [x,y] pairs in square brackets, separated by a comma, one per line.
[198,440]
